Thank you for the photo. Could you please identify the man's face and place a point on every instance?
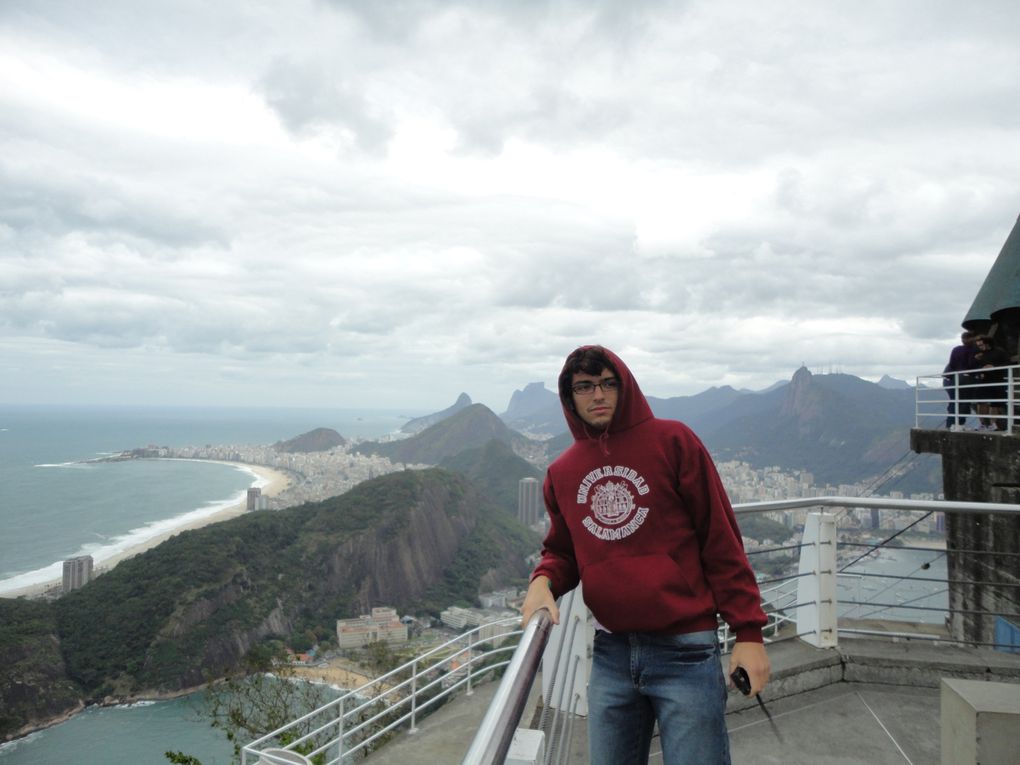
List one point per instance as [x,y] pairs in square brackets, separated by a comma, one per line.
[595,408]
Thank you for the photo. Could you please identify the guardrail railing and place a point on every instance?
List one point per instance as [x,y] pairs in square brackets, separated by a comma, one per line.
[977,399]
[492,742]
[829,585]
[885,595]
[361,719]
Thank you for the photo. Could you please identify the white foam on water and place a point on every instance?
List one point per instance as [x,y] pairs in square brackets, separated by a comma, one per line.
[107,549]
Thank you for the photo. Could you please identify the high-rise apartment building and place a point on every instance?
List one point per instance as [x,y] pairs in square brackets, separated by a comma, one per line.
[253,497]
[529,501]
[77,572]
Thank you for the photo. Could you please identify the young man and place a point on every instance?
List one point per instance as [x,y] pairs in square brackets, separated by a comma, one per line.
[639,515]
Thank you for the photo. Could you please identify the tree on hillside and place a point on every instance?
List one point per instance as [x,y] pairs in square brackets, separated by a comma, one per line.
[261,697]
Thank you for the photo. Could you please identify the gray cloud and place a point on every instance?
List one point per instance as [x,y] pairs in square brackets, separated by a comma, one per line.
[468,190]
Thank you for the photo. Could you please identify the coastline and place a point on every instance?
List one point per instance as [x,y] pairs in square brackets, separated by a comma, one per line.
[270,480]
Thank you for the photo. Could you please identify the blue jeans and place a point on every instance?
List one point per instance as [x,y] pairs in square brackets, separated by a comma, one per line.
[638,678]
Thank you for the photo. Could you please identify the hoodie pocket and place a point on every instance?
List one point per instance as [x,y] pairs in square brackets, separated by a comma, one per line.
[644,593]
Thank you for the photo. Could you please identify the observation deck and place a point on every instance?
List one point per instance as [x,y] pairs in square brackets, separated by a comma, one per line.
[849,683]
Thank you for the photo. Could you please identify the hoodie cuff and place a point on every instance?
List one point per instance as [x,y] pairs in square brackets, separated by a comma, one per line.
[750,634]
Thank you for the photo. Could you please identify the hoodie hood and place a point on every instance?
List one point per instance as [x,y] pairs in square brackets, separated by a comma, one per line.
[631,406]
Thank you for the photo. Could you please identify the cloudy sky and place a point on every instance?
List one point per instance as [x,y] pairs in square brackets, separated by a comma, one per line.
[383,204]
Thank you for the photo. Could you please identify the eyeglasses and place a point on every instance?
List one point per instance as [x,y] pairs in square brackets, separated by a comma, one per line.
[586,388]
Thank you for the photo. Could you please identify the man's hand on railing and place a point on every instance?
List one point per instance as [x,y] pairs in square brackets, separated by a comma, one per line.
[539,596]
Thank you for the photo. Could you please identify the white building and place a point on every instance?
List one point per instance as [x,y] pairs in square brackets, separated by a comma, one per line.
[462,618]
[382,624]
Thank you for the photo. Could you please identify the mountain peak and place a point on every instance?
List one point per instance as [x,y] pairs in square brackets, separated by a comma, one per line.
[534,408]
[419,424]
[318,440]
[802,376]
[892,383]
[801,400]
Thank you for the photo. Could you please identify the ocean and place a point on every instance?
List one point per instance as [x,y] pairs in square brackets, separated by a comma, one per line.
[55,505]
[883,594]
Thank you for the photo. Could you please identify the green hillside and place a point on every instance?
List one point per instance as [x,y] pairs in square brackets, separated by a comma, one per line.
[196,605]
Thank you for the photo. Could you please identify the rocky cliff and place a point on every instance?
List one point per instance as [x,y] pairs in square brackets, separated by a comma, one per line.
[34,686]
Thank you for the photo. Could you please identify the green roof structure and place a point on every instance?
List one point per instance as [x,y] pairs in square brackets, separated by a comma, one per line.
[1001,289]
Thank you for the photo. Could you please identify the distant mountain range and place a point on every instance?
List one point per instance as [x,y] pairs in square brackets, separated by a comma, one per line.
[466,428]
[837,426]
[840,428]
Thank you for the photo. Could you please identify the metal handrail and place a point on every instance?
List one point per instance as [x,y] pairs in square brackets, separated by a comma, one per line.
[492,741]
[962,382]
[337,712]
[884,503]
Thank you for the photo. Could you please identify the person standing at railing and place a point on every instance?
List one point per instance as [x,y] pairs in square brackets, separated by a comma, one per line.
[961,359]
[639,515]
[986,357]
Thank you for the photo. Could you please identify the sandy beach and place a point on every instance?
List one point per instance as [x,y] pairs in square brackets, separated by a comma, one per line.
[339,673]
[272,482]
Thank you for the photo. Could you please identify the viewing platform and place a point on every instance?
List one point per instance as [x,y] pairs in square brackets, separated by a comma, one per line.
[871,700]
[843,689]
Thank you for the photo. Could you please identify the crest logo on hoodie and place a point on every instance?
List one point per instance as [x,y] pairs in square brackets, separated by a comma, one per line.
[615,513]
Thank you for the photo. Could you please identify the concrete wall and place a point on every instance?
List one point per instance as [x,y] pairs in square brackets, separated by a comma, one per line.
[983,551]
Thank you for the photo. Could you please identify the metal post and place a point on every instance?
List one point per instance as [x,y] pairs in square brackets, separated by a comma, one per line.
[956,400]
[340,734]
[467,664]
[816,591]
[572,638]
[414,697]
[1010,400]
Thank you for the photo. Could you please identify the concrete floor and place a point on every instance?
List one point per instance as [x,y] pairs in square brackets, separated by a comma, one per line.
[869,701]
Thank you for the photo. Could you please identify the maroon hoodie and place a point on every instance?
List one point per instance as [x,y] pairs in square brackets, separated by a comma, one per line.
[639,515]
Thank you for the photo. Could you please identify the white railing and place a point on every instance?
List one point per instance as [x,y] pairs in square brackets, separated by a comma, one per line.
[492,742]
[939,399]
[361,719]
